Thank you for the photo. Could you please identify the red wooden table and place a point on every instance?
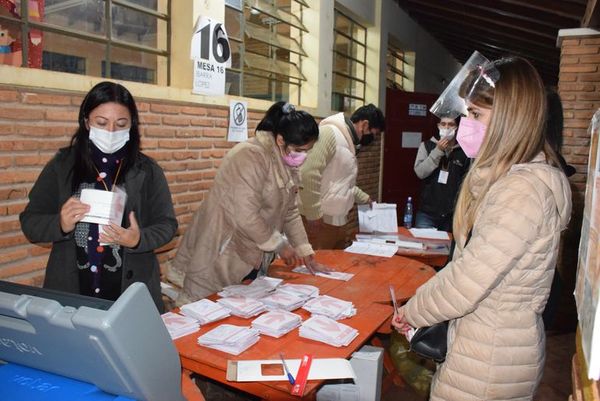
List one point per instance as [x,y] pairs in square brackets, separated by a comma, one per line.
[368,290]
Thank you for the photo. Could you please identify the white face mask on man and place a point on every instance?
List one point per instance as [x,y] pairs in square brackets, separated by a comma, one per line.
[447,132]
[108,142]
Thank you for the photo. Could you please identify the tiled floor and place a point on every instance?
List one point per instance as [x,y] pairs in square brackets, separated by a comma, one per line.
[555,385]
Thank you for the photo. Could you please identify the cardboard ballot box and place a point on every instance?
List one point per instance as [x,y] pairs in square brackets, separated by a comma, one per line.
[368,367]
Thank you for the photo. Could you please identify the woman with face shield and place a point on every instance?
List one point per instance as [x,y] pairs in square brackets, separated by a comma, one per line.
[513,204]
[442,165]
[250,214]
[88,258]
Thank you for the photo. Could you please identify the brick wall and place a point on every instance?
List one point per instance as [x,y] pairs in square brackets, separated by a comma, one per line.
[579,89]
[187,140]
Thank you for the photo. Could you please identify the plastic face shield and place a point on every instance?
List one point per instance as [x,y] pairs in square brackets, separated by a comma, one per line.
[477,69]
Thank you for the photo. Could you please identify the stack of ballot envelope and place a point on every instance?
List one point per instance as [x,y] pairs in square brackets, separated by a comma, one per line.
[178,325]
[230,338]
[334,308]
[276,323]
[205,311]
[242,307]
[326,330]
[257,289]
[301,290]
[283,300]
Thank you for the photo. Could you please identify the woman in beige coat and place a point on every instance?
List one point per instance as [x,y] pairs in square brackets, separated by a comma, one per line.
[513,205]
[239,227]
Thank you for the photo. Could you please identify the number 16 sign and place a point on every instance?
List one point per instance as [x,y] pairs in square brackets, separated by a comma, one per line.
[211,54]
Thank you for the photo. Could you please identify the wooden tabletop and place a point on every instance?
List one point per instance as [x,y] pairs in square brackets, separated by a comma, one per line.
[368,290]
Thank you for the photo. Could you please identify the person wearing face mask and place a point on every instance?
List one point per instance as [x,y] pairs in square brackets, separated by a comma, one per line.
[104,154]
[442,165]
[511,209]
[328,189]
[250,213]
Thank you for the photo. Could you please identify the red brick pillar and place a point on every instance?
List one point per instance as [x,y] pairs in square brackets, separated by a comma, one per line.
[579,89]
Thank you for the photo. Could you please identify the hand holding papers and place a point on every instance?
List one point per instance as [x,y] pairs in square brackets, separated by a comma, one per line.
[105,206]
[380,217]
[229,338]
[324,329]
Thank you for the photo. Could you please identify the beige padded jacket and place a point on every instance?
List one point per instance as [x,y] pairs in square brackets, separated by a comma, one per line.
[495,289]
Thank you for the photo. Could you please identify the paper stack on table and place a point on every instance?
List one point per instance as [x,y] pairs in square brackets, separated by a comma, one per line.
[283,300]
[374,249]
[331,307]
[205,311]
[333,275]
[430,233]
[301,290]
[229,338]
[178,325]
[276,323]
[242,307]
[324,329]
[256,289]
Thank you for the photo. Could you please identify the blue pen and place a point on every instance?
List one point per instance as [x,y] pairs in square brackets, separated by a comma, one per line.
[287,370]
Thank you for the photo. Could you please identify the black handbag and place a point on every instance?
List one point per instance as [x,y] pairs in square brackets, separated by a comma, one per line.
[431,342]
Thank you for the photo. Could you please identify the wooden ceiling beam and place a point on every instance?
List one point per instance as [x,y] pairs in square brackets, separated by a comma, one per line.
[591,18]
[565,8]
[462,14]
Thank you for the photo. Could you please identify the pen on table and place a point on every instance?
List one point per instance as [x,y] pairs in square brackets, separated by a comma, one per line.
[287,370]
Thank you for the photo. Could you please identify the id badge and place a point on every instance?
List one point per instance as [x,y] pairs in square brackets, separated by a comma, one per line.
[443,177]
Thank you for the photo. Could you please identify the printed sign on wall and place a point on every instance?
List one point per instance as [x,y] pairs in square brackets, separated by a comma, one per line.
[238,121]
[211,54]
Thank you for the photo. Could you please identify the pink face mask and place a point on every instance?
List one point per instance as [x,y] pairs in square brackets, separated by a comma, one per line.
[294,159]
[470,136]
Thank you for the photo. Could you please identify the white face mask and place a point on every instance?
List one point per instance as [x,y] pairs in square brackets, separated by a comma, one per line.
[447,132]
[108,142]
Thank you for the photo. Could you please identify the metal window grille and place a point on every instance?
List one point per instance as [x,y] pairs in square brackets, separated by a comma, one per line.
[396,67]
[349,63]
[266,42]
[132,33]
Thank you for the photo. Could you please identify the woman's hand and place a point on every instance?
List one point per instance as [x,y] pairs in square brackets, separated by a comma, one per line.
[71,212]
[126,237]
[399,321]
[289,255]
[313,266]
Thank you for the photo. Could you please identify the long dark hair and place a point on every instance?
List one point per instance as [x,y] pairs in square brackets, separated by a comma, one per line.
[296,127]
[104,92]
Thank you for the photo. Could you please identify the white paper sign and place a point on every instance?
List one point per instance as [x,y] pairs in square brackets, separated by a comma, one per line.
[411,139]
[380,217]
[211,53]
[238,121]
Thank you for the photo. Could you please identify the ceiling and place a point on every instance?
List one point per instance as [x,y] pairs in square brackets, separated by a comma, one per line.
[495,28]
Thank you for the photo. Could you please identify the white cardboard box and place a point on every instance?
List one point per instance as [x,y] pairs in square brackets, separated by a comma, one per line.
[368,367]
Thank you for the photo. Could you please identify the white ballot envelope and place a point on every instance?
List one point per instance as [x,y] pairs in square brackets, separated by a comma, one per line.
[105,206]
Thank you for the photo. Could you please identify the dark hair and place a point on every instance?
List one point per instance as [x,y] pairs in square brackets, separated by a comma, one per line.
[296,127]
[104,92]
[554,120]
[371,113]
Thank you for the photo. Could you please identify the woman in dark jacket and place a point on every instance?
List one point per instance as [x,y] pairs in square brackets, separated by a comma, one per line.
[86,258]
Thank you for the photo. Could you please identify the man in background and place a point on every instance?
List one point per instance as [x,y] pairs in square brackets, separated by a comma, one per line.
[328,176]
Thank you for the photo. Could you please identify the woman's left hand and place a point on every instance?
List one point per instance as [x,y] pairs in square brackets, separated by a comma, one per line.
[313,266]
[399,321]
[126,237]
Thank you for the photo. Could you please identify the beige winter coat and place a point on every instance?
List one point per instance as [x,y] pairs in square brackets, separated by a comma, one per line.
[251,203]
[495,289]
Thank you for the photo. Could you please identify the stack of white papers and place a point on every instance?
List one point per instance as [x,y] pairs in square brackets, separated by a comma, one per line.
[229,338]
[332,275]
[242,307]
[205,311]
[334,308]
[256,289]
[324,329]
[301,290]
[283,300]
[389,240]
[276,323]
[430,233]
[369,248]
[178,325]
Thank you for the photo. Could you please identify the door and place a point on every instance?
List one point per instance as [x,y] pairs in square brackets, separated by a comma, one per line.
[406,116]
